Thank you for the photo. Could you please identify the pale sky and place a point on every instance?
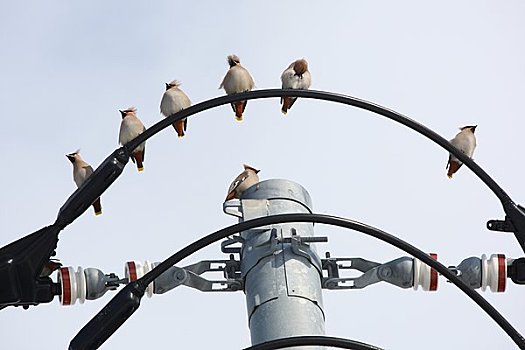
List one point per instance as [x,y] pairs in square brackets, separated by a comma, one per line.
[68,67]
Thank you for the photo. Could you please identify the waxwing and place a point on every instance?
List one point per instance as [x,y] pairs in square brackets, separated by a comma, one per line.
[173,101]
[237,80]
[81,171]
[296,76]
[245,180]
[131,127]
[465,141]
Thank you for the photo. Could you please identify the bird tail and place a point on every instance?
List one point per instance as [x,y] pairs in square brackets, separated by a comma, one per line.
[180,127]
[97,206]
[287,103]
[453,166]
[239,107]
[139,157]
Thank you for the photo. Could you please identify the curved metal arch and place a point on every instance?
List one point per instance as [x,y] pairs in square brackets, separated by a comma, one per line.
[307,340]
[515,213]
[112,166]
[127,300]
[325,96]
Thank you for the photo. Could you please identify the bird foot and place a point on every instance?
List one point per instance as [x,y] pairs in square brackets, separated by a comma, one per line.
[98,213]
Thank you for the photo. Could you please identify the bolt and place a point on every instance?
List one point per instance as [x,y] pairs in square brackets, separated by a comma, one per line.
[179,275]
[385,272]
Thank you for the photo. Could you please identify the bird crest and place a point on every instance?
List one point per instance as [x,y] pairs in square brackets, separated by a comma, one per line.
[471,127]
[173,83]
[74,153]
[233,60]
[247,167]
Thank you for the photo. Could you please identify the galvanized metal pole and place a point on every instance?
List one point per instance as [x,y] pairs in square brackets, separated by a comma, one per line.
[281,270]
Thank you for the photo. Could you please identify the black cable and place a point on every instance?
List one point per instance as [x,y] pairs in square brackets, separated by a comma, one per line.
[513,212]
[307,340]
[332,97]
[99,328]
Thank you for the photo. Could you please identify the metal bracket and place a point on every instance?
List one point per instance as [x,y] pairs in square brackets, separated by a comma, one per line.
[232,207]
[225,245]
[398,272]
[501,225]
[300,244]
[190,276]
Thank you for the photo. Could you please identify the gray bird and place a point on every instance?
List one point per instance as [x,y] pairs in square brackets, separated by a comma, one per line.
[81,171]
[173,101]
[296,76]
[465,141]
[237,80]
[245,180]
[131,127]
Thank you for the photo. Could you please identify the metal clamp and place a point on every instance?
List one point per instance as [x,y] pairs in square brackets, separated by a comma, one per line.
[190,276]
[398,272]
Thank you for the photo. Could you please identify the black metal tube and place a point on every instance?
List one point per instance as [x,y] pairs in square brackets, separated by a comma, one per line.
[307,340]
[349,224]
[516,215]
[327,96]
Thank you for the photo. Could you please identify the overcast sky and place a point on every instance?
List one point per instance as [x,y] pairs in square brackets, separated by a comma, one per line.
[67,67]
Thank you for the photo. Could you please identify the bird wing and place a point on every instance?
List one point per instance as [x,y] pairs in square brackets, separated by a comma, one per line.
[89,170]
[238,180]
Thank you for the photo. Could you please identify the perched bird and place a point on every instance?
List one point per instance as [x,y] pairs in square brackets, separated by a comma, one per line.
[131,127]
[237,80]
[49,267]
[465,141]
[296,76]
[173,101]
[245,180]
[81,171]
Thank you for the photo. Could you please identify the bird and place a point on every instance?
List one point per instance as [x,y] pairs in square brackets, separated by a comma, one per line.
[296,76]
[49,267]
[237,80]
[245,180]
[465,141]
[81,171]
[173,101]
[131,127]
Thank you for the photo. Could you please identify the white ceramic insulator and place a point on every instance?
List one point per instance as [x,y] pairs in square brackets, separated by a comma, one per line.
[424,275]
[73,285]
[496,273]
[134,270]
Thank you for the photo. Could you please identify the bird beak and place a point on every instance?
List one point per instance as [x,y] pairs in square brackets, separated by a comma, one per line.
[167,86]
[256,171]
[474,128]
[122,113]
[71,158]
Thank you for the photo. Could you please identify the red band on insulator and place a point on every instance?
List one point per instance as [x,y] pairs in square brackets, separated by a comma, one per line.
[501,272]
[66,286]
[132,271]
[433,275]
